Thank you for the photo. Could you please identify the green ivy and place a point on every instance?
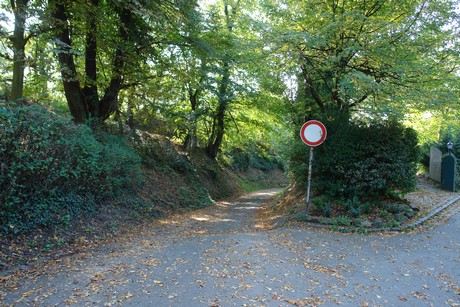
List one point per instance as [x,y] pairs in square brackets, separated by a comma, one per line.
[52,170]
[256,156]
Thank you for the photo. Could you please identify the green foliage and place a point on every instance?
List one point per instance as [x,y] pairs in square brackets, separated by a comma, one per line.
[355,208]
[391,224]
[239,160]
[194,197]
[384,214]
[52,170]
[248,185]
[320,206]
[342,220]
[363,161]
[353,55]
[258,157]
[160,153]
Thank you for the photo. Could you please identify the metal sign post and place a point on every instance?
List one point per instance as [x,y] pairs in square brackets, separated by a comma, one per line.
[312,133]
[310,162]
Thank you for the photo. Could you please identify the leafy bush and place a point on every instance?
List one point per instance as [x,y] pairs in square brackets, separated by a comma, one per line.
[363,161]
[355,208]
[51,168]
[194,197]
[239,160]
[320,206]
[342,220]
[160,153]
[257,156]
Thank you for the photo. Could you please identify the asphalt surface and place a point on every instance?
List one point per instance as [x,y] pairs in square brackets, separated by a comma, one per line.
[219,256]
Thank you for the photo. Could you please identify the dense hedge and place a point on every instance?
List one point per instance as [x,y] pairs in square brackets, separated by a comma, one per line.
[52,170]
[366,162]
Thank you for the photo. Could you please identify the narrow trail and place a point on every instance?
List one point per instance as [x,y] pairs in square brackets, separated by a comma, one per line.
[225,217]
[218,256]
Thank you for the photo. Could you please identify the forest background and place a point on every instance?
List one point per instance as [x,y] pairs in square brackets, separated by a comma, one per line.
[102,100]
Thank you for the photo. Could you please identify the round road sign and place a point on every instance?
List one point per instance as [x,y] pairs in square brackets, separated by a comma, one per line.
[313,133]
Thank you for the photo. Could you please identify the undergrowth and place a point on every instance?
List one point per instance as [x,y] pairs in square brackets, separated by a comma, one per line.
[52,170]
[359,164]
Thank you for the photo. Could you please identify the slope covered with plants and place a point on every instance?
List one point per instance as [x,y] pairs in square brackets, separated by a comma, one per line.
[64,184]
[102,99]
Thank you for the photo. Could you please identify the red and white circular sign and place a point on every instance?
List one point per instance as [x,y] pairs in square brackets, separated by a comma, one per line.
[313,133]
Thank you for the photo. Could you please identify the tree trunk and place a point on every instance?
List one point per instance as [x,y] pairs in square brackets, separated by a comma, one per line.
[109,103]
[84,103]
[90,89]
[72,90]
[218,128]
[218,132]
[19,43]
[191,139]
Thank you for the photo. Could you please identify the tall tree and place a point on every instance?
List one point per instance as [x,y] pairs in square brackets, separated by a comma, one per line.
[350,53]
[120,37]
[194,91]
[82,93]
[18,37]
[19,8]
[224,90]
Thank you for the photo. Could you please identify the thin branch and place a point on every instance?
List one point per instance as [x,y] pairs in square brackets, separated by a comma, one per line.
[234,121]
[138,83]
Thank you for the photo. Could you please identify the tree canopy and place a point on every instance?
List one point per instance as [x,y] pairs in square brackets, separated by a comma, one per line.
[229,73]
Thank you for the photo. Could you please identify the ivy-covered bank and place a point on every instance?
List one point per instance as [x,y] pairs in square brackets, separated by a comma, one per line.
[60,182]
[53,171]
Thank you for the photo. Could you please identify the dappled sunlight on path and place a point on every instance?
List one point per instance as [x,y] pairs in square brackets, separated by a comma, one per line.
[217,256]
[240,215]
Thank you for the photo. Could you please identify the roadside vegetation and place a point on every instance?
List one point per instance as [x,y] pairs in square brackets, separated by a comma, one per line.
[112,112]
[65,185]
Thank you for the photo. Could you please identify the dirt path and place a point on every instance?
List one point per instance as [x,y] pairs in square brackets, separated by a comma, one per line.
[218,257]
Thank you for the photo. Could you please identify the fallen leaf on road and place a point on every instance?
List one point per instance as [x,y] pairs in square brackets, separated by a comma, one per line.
[158,283]
[308,301]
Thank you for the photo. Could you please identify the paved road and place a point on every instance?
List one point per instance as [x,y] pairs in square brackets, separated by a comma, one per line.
[218,256]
